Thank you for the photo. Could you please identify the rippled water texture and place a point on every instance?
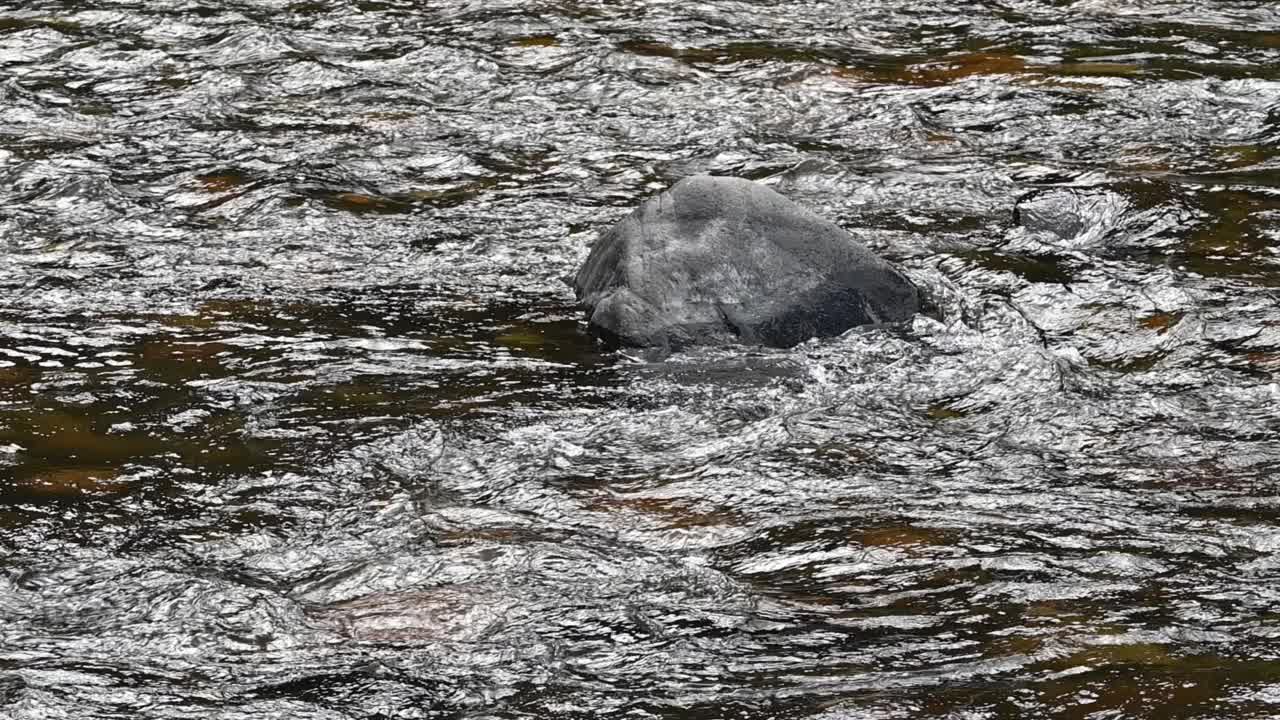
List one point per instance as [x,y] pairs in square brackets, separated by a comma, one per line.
[298,420]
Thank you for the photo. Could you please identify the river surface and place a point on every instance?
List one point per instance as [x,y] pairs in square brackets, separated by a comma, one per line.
[298,418]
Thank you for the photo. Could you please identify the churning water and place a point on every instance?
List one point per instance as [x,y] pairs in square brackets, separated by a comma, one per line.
[298,419]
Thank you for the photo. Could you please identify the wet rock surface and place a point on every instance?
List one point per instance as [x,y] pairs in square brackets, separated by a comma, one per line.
[714,260]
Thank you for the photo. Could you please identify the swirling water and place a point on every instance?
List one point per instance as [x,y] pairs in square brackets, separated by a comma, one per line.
[297,417]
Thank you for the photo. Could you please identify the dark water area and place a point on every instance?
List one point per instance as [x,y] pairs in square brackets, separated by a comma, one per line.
[298,418]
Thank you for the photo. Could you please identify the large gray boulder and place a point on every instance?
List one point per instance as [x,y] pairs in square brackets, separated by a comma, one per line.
[717,260]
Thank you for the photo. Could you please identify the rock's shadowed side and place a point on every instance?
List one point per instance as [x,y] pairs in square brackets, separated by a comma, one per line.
[720,260]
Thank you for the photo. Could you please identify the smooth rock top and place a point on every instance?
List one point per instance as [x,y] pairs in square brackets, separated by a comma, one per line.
[716,260]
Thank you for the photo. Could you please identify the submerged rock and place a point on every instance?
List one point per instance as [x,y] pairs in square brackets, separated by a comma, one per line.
[1074,216]
[717,260]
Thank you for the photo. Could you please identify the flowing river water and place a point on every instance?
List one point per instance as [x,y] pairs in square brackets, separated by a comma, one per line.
[298,418]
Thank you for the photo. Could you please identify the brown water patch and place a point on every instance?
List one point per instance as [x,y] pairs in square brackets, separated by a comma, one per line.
[726,54]
[66,27]
[1161,321]
[528,338]
[222,182]
[59,435]
[1238,243]
[561,341]
[74,481]
[390,115]
[262,314]
[955,68]
[1120,654]
[12,376]
[175,362]
[203,355]
[1014,645]
[938,137]
[1051,609]
[1266,360]
[1032,268]
[193,322]
[960,67]
[861,74]
[353,395]
[236,309]
[1115,692]
[209,313]
[1241,156]
[903,536]
[15,383]
[943,411]
[362,203]
[536,41]
[1139,682]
